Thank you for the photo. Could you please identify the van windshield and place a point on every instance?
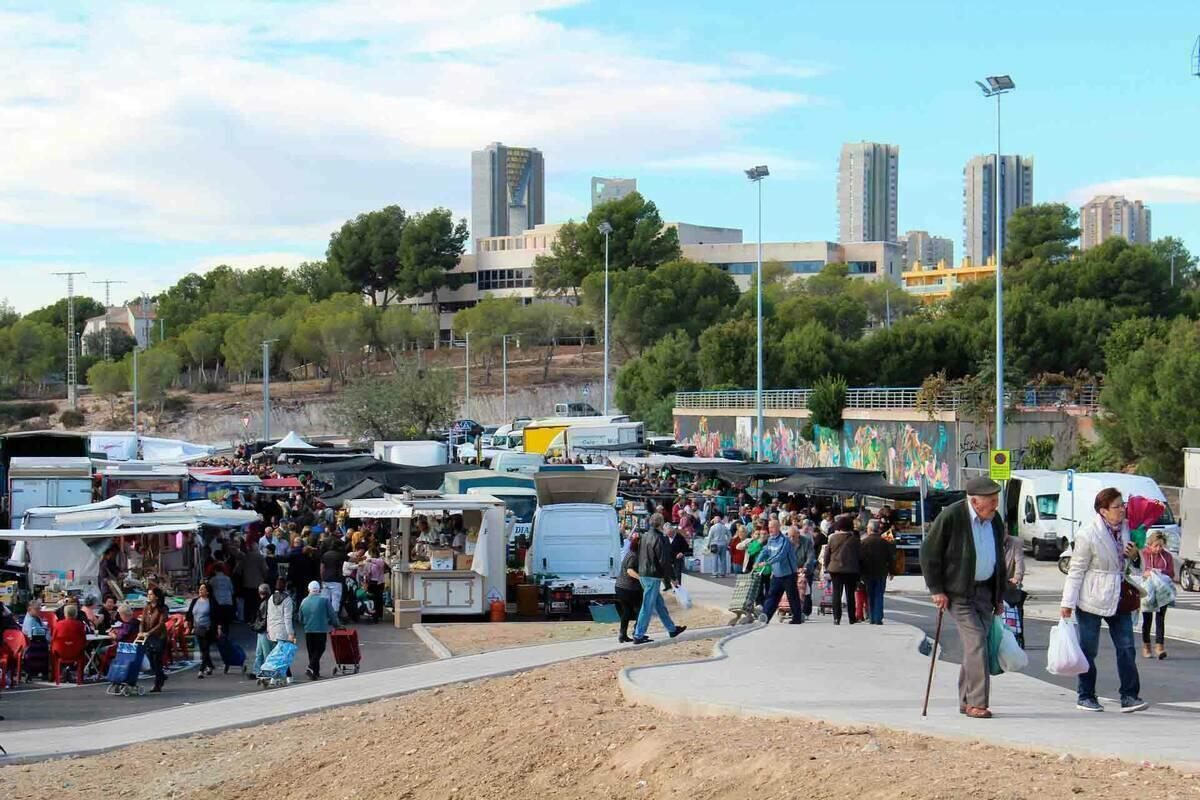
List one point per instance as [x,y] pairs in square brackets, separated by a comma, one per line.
[1047,506]
[521,505]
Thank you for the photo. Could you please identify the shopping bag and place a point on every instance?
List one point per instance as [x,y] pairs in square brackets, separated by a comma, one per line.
[1163,589]
[685,599]
[1064,656]
[995,637]
[1012,657]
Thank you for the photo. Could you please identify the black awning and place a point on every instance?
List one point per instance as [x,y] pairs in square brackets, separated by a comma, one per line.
[366,488]
[844,480]
[735,472]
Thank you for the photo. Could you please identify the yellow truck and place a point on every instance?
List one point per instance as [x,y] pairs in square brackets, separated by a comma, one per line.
[541,432]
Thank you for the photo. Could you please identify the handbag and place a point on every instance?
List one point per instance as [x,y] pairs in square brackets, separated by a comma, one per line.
[1131,598]
[712,548]
[1014,595]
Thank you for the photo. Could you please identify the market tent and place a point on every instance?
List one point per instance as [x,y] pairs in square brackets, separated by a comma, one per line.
[291,442]
[670,461]
[870,483]
[736,471]
[348,471]
[123,446]
[282,483]
[364,489]
[206,512]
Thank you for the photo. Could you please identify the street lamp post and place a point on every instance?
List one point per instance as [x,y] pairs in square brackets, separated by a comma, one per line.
[605,229]
[135,398]
[756,174]
[504,368]
[467,403]
[266,371]
[997,85]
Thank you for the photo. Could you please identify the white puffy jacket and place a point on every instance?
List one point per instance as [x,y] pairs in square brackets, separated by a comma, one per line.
[279,617]
[1094,579]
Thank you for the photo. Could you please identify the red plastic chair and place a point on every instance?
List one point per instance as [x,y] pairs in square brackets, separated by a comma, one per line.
[12,653]
[69,646]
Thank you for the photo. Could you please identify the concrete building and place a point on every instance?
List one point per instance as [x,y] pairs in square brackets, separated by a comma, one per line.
[931,283]
[869,260]
[979,200]
[1108,216]
[135,319]
[508,189]
[868,177]
[919,246]
[605,190]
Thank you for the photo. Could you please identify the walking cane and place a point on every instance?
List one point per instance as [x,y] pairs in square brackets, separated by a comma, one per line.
[937,635]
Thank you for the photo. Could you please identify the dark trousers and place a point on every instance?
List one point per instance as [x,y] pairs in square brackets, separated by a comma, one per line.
[1120,630]
[808,573]
[204,640]
[154,653]
[844,583]
[375,589]
[629,603]
[779,587]
[222,619]
[1159,618]
[875,591]
[676,574]
[350,598]
[250,603]
[316,648]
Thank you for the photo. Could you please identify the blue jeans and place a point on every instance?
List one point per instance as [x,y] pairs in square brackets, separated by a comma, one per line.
[262,649]
[1120,630]
[875,590]
[721,561]
[652,602]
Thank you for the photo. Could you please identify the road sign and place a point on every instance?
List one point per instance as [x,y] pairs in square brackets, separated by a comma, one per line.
[245,422]
[1070,480]
[587,389]
[1000,465]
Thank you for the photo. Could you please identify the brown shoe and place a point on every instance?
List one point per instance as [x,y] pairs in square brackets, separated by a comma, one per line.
[1160,651]
[975,712]
[1146,651]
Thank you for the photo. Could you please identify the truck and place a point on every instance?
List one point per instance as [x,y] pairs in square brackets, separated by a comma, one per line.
[541,432]
[1032,510]
[1189,516]
[35,482]
[514,489]
[576,548]
[413,454]
[585,440]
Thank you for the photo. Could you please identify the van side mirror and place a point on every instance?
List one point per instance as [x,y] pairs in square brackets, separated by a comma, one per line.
[1030,516]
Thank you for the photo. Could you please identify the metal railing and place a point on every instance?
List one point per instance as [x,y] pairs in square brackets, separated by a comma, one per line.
[886,397]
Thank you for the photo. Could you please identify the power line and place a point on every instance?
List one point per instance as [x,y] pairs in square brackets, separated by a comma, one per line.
[107,304]
[70,276]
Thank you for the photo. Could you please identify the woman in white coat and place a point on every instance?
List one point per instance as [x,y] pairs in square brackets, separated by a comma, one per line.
[1093,592]
[280,609]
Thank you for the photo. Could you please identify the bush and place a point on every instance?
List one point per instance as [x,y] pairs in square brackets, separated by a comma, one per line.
[177,402]
[211,387]
[12,413]
[72,419]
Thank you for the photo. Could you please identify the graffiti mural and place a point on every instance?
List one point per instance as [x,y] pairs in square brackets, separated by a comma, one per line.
[708,441]
[904,451]
[782,442]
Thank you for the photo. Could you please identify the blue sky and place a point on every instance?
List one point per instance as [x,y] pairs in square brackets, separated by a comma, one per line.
[143,142]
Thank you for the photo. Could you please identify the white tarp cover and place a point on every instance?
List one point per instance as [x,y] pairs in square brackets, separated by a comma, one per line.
[207,512]
[74,554]
[115,512]
[292,442]
[233,480]
[375,508]
[122,446]
[49,534]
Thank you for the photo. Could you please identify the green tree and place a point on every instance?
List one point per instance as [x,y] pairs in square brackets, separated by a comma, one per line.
[1039,453]
[1152,399]
[408,404]
[487,322]
[1040,234]
[727,354]
[547,324]
[1127,337]
[646,385]
[109,379]
[202,340]
[333,333]
[119,343]
[366,251]
[827,401]
[399,328]
[33,349]
[430,248]
[157,369]
[638,240]
[321,280]
[808,352]
[55,314]
[1168,248]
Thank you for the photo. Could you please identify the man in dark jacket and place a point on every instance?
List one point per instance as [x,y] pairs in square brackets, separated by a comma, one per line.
[679,547]
[654,565]
[877,558]
[962,560]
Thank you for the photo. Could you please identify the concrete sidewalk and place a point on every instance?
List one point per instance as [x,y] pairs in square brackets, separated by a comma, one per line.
[268,705]
[881,681]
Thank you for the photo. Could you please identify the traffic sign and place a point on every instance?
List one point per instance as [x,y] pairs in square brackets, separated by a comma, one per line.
[1070,480]
[1000,465]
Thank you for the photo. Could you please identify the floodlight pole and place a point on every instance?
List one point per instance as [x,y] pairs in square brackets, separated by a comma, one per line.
[756,174]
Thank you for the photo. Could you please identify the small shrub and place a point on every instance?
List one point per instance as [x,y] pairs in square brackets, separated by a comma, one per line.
[176,403]
[72,419]
[210,387]
[12,413]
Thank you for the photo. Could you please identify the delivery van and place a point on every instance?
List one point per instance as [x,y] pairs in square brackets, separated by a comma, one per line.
[576,545]
[512,461]
[541,432]
[1076,504]
[1032,510]
[588,440]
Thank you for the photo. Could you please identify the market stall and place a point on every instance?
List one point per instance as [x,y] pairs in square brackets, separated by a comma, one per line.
[203,485]
[446,550]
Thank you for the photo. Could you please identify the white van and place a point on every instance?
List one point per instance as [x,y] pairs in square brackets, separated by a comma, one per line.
[1075,508]
[510,461]
[1032,510]
[576,539]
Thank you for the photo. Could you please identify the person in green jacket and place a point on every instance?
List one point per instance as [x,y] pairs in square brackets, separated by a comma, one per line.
[317,617]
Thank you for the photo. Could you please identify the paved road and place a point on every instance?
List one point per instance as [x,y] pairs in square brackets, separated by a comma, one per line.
[43,706]
[1174,680]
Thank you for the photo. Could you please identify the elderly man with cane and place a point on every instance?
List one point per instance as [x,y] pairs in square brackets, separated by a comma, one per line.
[962,559]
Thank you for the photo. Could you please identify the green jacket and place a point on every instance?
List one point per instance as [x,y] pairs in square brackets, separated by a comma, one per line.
[948,554]
[317,614]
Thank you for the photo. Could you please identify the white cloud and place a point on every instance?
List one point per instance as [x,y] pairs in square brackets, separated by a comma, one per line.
[735,161]
[1155,189]
[236,122]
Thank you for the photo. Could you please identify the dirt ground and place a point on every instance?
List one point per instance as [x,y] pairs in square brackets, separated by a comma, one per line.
[566,732]
[466,638]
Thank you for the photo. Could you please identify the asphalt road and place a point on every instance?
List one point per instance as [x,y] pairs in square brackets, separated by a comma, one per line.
[41,705]
[1173,680]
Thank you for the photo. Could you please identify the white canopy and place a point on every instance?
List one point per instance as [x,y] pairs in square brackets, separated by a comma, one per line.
[122,446]
[115,512]
[292,442]
[38,534]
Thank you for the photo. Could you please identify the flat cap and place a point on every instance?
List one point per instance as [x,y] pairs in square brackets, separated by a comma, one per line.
[982,486]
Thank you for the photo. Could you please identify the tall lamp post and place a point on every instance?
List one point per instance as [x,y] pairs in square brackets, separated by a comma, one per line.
[756,174]
[605,229]
[998,85]
[504,368]
[266,372]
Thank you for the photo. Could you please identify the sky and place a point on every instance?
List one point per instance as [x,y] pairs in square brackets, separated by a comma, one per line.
[145,141]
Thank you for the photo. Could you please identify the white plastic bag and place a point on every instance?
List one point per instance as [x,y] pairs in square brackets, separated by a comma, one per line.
[685,599]
[1065,656]
[1012,657]
[1164,590]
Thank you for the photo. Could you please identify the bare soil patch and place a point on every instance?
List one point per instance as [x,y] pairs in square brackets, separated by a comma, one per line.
[566,732]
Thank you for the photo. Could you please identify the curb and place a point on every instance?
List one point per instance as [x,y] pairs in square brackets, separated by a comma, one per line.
[430,641]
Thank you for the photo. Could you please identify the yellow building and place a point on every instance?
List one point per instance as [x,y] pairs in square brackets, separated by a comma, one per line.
[932,284]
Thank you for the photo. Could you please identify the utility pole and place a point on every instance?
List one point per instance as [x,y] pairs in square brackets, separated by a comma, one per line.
[107,305]
[266,370]
[135,397]
[467,413]
[70,276]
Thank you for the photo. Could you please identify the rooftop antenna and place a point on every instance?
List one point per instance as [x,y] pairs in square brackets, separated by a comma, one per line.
[107,305]
[70,276]
[1196,58]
